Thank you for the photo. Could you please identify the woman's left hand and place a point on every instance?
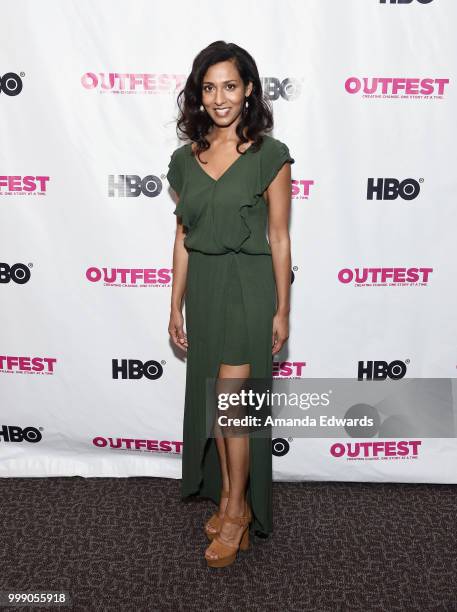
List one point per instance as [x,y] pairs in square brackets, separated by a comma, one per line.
[280,332]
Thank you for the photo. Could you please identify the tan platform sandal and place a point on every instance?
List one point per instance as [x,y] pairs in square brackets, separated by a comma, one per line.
[226,553]
[215,521]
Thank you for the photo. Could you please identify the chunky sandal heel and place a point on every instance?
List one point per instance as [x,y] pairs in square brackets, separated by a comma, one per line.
[215,520]
[226,553]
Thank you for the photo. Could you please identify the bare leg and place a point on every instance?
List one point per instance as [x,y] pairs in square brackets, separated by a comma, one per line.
[234,458]
[225,371]
[225,476]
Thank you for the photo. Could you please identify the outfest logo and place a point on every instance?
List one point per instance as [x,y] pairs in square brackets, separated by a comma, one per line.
[288,369]
[28,185]
[301,189]
[130,277]
[25,364]
[132,82]
[378,450]
[396,87]
[173,447]
[384,277]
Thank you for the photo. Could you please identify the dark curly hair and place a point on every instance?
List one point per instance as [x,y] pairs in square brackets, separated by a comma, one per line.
[195,124]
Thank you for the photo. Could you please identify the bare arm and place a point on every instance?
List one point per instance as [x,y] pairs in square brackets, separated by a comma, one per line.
[180,263]
[279,195]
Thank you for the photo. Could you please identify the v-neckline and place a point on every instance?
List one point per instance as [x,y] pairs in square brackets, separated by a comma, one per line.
[225,171]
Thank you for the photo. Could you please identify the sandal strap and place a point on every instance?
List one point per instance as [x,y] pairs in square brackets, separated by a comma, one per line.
[222,544]
[213,521]
[241,521]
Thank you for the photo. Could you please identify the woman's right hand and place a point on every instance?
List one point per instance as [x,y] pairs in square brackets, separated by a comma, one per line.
[176,330]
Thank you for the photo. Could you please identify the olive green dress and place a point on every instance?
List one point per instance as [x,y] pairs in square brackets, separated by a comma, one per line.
[229,255]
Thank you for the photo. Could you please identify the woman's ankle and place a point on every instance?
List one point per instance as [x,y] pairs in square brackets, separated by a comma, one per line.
[236,506]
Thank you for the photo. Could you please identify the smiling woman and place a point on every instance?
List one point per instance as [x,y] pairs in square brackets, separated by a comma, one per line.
[235,282]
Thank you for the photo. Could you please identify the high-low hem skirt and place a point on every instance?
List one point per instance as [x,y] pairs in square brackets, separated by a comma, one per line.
[230,302]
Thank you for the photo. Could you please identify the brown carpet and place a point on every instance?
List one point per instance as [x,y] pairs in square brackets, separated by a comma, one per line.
[131,544]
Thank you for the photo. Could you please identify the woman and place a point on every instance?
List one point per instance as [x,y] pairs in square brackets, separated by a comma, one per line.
[230,178]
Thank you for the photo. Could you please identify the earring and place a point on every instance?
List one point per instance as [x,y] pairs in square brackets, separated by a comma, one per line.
[202,108]
[246,104]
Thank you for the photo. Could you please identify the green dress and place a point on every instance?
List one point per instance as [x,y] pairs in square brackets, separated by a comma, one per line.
[226,221]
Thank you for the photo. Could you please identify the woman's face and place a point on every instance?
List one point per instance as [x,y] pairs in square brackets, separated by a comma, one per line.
[223,93]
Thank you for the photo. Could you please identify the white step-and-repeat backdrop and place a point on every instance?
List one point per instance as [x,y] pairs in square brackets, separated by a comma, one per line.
[363,93]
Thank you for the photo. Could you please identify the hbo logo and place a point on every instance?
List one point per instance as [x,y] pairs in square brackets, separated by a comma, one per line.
[280,447]
[10,84]
[132,186]
[288,89]
[391,188]
[380,370]
[18,273]
[136,369]
[12,433]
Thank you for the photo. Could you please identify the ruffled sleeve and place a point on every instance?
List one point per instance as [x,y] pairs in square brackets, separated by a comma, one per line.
[276,155]
[175,176]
